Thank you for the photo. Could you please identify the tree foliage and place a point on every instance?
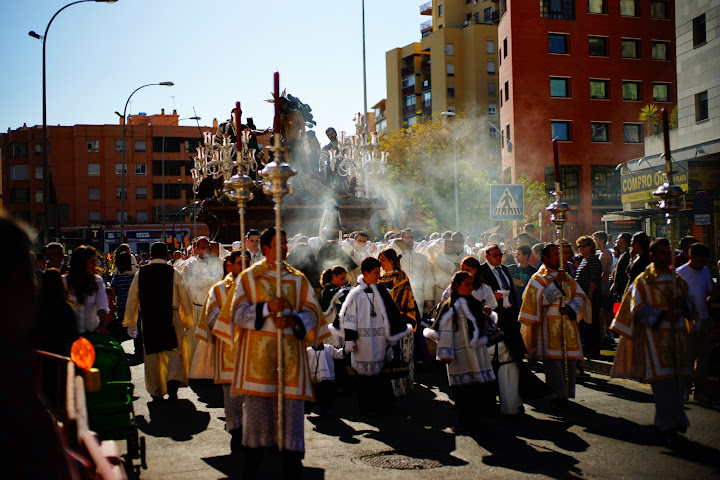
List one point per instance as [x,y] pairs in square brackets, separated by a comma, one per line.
[420,169]
[651,115]
[536,198]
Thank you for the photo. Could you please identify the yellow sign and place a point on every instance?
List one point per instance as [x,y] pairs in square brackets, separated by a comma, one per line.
[639,186]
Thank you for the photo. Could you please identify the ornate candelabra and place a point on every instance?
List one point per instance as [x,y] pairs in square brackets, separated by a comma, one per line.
[275,183]
[359,157]
[558,210]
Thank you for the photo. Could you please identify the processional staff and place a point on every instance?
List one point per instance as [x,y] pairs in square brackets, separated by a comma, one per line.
[558,210]
[238,187]
[276,175]
[670,195]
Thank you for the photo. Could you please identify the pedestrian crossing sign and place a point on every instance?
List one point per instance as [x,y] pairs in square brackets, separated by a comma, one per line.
[507,202]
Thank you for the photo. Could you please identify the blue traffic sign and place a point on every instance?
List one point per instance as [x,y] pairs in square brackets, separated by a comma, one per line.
[507,202]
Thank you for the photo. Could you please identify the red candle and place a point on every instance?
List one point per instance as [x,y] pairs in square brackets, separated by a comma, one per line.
[237,121]
[276,123]
[556,160]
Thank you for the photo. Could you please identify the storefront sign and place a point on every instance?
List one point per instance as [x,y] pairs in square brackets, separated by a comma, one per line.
[638,186]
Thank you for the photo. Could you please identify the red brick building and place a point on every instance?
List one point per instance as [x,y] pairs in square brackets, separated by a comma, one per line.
[85,164]
[581,71]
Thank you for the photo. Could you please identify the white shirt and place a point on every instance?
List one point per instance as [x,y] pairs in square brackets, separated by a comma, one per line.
[88,319]
[700,284]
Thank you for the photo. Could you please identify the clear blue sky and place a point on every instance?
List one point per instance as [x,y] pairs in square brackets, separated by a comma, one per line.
[215,51]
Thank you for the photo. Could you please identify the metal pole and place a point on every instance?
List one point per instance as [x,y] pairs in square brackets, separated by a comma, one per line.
[45,167]
[457,201]
[365,123]
[122,171]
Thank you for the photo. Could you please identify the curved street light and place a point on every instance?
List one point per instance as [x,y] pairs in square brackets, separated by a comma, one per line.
[43,38]
[164,233]
[123,194]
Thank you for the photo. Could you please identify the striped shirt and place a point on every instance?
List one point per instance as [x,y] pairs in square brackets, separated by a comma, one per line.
[121,284]
[589,271]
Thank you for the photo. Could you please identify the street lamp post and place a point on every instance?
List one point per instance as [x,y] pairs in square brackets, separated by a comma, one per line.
[122,171]
[164,233]
[457,202]
[46,184]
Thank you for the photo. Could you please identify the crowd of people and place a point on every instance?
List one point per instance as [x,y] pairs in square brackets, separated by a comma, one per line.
[362,315]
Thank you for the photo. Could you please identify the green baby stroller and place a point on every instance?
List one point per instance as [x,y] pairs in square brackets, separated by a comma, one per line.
[110,409]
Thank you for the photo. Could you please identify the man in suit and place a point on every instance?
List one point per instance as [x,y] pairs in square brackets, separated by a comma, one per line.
[497,276]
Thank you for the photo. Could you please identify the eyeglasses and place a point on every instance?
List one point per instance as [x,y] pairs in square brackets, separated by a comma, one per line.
[496,255]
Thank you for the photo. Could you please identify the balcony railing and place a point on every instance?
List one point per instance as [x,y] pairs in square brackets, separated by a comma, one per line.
[408,109]
[409,70]
[426,8]
[425,26]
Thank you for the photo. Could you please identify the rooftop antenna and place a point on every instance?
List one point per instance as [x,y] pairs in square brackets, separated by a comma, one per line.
[173,100]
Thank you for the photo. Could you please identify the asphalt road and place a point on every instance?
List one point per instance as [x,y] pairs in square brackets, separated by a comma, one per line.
[607,433]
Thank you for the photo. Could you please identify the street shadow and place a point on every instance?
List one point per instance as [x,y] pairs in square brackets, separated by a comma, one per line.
[208,392]
[616,390]
[178,420]
[271,467]
[513,453]
[697,453]
[336,427]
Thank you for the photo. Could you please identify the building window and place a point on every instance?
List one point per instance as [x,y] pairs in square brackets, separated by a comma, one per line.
[501,98]
[660,50]
[140,170]
[94,217]
[493,132]
[491,68]
[599,89]
[661,92]
[408,81]
[598,46]
[119,170]
[93,169]
[492,109]
[505,47]
[451,91]
[119,146]
[38,173]
[93,146]
[141,216]
[119,214]
[20,172]
[558,43]
[440,10]
[93,193]
[492,89]
[569,182]
[19,195]
[19,149]
[507,90]
[632,132]
[140,193]
[450,69]
[490,46]
[605,185]
[699,31]
[600,131]
[118,192]
[659,9]
[558,9]
[38,148]
[561,129]
[427,100]
[628,8]
[140,145]
[488,14]
[701,106]
[507,134]
[39,196]
[597,6]
[629,48]
[632,90]
[409,101]
[559,87]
